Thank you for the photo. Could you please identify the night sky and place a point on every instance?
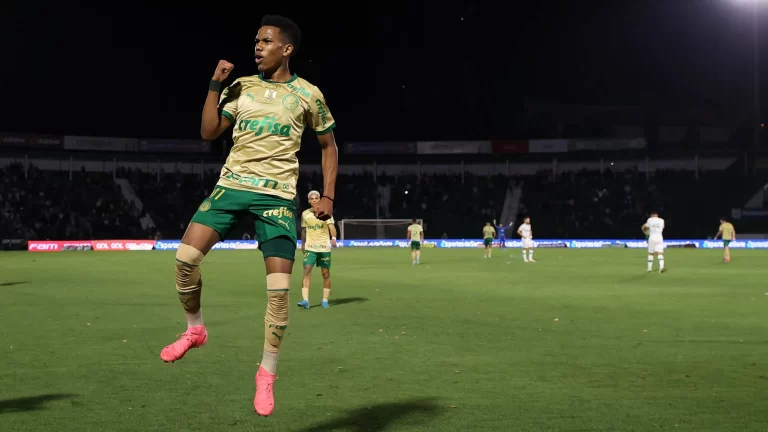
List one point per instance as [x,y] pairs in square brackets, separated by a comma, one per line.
[398,71]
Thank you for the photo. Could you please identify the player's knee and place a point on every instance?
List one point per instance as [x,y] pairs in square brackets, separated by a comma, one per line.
[277,307]
[326,274]
[189,283]
[276,318]
[188,261]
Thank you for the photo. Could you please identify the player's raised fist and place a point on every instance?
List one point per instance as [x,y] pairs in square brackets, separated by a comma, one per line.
[222,70]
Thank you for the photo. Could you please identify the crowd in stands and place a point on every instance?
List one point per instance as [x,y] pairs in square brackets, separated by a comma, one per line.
[590,204]
[447,204]
[171,201]
[37,204]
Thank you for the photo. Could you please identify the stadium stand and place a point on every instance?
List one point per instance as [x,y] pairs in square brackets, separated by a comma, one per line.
[52,205]
[581,203]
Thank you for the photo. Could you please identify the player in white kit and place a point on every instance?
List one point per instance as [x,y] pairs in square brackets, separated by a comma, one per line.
[654,229]
[526,235]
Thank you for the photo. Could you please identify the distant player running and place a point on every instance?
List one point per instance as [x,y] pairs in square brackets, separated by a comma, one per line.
[269,112]
[525,231]
[416,236]
[489,233]
[317,238]
[729,234]
[654,229]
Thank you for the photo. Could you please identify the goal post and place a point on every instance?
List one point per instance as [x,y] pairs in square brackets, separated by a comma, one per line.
[378,229]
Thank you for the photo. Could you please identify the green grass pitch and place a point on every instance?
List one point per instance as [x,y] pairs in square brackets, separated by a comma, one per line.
[582,340]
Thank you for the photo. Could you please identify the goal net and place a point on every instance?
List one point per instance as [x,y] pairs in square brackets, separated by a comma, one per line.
[379,229]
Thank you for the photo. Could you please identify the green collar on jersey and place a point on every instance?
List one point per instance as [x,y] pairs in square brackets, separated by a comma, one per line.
[293,78]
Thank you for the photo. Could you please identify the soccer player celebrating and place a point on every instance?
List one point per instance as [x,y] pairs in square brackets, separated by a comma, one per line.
[316,245]
[502,234]
[526,235]
[654,229]
[269,112]
[488,234]
[729,234]
[415,235]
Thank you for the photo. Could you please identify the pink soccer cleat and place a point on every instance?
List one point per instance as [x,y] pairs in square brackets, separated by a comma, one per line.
[264,401]
[194,337]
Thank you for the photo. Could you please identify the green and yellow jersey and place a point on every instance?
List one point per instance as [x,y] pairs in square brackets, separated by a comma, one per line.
[489,232]
[269,119]
[416,232]
[318,236]
[727,231]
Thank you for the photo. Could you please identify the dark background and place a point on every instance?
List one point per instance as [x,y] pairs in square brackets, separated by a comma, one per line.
[390,71]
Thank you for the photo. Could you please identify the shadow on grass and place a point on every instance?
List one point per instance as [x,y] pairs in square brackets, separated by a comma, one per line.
[343,301]
[377,418]
[636,278]
[7,284]
[32,403]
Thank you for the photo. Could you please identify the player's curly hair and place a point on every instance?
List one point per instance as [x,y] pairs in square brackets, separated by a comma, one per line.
[288,29]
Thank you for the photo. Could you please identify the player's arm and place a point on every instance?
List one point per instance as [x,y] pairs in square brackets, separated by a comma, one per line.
[323,124]
[303,239]
[332,230]
[213,122]
[719,231]
[408,234]
[520,231]
[330,164]
[644,228]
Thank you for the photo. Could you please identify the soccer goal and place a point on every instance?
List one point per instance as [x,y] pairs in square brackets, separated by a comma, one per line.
[380,229]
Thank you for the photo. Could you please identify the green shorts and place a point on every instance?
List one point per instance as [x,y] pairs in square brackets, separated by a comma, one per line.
[319,259]
[415,245]
[726,243]
[487,242]
[273,217]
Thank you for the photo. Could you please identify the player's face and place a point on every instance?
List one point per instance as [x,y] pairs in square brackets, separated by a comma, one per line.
[314,199]
[527,220]
[270,49]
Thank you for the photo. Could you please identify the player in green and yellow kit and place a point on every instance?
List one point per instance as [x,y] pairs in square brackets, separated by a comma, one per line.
[317,238]
[269,112]
[489,233]
[728,232]
[416,236]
